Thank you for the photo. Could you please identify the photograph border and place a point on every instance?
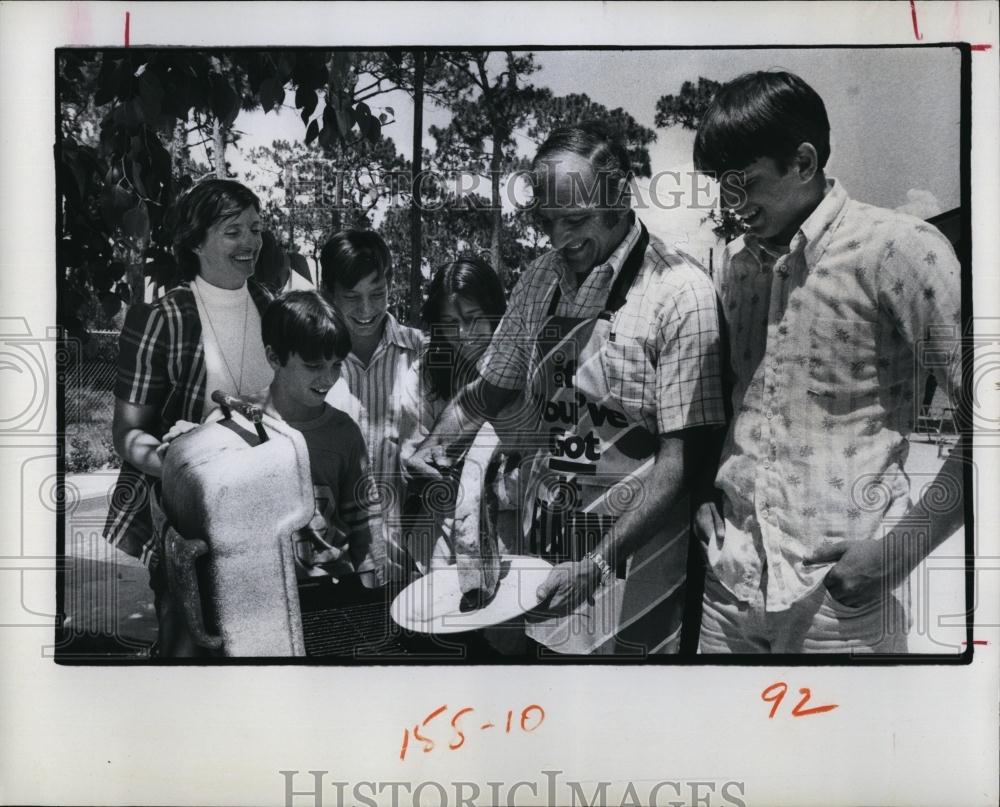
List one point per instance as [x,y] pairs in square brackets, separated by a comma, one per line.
[964,254]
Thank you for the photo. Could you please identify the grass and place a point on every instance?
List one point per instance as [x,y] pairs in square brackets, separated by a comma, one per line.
[88,432]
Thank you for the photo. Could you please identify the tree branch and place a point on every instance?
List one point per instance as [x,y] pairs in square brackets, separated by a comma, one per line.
[488,93]
[376,83]
[464,68]
[360,98]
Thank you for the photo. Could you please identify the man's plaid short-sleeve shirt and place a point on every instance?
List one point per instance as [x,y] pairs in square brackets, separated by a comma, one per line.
[670,315]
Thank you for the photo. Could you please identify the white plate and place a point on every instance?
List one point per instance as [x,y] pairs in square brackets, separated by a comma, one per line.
[432,604]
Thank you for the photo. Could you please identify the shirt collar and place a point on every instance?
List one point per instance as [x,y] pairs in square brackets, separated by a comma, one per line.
[616,260]
[610,267]
[809,234]
[821,219]
[393,332]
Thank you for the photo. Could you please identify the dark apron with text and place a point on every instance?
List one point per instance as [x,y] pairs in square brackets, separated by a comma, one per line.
[594,467]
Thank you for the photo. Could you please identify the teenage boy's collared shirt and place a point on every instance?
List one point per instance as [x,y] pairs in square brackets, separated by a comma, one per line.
[831,342]
[671,311]
[379,399]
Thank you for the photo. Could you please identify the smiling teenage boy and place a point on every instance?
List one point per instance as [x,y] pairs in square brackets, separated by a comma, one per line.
[831,306]
[379,385]
[306,340]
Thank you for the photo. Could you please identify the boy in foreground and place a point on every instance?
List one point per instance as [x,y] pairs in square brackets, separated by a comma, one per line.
[306,340]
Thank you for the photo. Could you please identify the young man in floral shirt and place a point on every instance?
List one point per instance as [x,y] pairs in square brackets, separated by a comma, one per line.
[836,311]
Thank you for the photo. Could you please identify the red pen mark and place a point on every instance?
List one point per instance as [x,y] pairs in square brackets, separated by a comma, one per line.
[977,641]
[775,699]
[531,717]
[539,716]
[428,743]
[439,711]
[128,22]
[806,693]
[983,47]
[454,724]
[913,14]
[780,688]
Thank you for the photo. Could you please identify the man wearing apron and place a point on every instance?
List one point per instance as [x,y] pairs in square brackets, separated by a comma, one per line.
[610,347]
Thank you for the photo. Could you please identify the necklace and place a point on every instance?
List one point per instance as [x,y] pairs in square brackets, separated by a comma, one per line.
[243,351]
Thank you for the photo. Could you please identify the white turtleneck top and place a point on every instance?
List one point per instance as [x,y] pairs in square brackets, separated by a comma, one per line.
[230,333]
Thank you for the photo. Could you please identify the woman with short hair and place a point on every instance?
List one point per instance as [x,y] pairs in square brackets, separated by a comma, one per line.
[202,335]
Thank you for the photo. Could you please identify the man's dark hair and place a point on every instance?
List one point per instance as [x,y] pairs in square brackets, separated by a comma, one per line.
[762,114]
[601,147]
[198,209]
[351,255]
[306,323]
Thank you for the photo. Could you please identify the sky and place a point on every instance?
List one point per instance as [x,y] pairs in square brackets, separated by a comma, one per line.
[894,115]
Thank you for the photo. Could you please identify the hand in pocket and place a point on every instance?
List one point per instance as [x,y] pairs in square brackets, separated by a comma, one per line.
[858,576]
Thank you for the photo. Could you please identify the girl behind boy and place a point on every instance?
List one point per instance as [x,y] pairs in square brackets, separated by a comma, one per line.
[465,302]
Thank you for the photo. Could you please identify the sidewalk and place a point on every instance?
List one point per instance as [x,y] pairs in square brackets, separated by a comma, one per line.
[90,486]
[108,602]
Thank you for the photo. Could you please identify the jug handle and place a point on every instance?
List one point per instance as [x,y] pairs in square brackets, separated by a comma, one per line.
[251,411]
[182,577]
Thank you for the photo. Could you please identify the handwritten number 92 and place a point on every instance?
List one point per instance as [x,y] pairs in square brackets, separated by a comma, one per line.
[775,693]
[461,723]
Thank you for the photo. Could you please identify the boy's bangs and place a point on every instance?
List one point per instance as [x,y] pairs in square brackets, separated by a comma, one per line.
[317,338]
[304,323]
[357,269]
[321,341]
[731,145]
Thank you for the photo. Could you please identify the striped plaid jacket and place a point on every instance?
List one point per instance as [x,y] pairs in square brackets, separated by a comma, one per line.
[161,362]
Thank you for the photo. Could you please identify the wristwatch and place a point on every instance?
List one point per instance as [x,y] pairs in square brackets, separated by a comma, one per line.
[605,568]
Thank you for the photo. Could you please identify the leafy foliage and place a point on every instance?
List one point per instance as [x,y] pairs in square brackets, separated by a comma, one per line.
[89,446]
[687,107]
[552,112]
[493,106]
[131,117]
[118,179]
[686,110]
[490,99]
[324,190]
[725,224]
[453,227]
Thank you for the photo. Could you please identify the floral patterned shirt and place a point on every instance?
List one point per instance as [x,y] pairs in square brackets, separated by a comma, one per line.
[832,340]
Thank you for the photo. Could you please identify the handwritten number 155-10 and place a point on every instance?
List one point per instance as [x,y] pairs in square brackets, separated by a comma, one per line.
[531,718]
